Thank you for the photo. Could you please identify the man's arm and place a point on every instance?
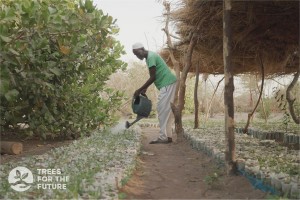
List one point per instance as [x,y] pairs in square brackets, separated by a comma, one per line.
[148,82]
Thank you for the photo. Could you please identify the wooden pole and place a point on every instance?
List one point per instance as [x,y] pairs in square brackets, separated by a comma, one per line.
[229,89]
[196,101]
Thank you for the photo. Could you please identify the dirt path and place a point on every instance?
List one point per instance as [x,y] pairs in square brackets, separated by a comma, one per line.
[176,171]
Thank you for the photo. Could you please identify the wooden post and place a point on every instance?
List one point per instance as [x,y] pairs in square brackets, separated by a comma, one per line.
[228,92]
[196,102]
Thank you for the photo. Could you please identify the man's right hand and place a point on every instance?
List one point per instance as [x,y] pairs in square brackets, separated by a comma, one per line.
[143,92]
[137,93]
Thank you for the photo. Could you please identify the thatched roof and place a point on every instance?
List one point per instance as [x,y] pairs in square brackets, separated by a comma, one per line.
[266,28]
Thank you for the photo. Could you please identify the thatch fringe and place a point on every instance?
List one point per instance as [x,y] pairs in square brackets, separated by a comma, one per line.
[269,29]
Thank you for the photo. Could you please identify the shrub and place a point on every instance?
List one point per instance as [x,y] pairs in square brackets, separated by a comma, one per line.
[55,57]
[265,112]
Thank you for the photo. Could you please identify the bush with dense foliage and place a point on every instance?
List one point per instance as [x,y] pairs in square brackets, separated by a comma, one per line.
[55,57]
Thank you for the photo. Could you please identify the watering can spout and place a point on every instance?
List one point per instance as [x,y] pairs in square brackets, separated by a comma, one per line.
[141,106]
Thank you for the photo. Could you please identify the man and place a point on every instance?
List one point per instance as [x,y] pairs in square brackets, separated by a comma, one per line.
[165,82]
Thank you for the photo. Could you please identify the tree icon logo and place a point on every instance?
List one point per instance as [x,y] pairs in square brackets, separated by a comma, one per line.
[20,179]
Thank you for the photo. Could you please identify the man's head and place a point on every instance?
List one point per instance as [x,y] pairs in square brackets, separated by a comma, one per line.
[139,50]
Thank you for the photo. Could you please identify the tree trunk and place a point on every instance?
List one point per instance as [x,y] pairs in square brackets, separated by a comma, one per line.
[196,102]
[182,86]
[228,92]
[11,148]
[291,100]
[177,118]
[259,98]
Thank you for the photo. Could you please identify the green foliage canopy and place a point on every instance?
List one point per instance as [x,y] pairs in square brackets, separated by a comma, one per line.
[55,57]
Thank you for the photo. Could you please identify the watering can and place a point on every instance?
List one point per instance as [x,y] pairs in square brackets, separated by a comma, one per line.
[141,106]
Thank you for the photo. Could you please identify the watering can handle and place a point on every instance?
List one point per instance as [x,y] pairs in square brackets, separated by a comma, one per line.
[144,94]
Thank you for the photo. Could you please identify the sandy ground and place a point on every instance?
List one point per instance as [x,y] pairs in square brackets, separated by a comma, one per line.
[176,171]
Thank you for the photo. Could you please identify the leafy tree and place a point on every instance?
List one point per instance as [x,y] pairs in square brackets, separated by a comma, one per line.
[55,57]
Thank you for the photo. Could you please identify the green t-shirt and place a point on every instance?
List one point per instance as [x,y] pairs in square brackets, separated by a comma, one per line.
[163,74]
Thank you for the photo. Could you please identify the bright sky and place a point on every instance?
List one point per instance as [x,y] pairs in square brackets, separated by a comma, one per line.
[138,20]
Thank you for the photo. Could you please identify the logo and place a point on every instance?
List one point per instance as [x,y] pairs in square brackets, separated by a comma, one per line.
[20,179]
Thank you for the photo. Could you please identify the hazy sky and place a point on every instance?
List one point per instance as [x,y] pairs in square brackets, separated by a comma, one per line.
[138,20]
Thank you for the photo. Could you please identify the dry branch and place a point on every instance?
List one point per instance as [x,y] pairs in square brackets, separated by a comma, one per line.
[182,86]
[260,95]
[212,98]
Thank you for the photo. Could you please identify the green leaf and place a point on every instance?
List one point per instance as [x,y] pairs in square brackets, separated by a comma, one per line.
[49,85]
[11,95]
[5,39]
[89,6]
[55,71]
[13,51]
[4,86]
[110,19]
[52,10]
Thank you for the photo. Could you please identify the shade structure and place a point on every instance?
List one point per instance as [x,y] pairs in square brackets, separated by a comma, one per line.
[266,29]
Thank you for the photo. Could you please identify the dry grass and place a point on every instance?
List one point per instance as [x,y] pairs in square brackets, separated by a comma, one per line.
[269,29]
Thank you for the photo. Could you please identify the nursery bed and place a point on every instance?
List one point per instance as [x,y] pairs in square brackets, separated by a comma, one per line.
[92,167]
[275,167]
[268,165]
